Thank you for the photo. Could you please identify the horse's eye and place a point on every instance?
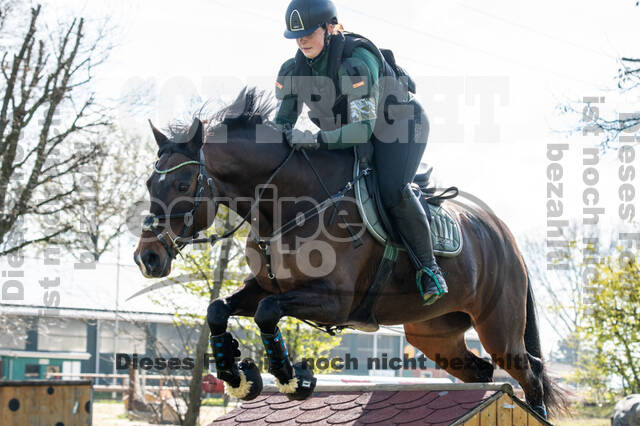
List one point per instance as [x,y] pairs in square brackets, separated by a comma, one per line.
[182,187]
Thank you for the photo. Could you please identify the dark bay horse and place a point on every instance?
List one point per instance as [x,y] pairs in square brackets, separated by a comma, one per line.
[318,275]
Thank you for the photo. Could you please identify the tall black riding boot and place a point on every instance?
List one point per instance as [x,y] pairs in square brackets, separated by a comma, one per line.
[412,223]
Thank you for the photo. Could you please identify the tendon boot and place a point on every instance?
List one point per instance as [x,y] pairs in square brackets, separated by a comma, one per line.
[295,381]
[242,380]
[413,226]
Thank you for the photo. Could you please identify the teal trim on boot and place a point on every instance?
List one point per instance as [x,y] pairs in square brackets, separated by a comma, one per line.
[428,293]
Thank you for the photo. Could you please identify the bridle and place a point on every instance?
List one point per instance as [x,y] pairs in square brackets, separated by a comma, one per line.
[173,246]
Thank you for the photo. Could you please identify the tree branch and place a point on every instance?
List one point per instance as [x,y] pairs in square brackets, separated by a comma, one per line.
[34,241]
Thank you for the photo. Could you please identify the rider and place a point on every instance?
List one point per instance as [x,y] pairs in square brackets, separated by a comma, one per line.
[321,42]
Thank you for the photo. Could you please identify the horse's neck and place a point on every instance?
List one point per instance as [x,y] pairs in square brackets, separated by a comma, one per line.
[246,167]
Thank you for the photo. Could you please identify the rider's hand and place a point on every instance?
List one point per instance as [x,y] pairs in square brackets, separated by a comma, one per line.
[298,139]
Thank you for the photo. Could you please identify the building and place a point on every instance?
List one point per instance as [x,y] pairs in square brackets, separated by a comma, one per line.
[96,318]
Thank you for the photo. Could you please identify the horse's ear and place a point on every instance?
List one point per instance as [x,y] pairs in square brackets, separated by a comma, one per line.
[195,133]
[161,139]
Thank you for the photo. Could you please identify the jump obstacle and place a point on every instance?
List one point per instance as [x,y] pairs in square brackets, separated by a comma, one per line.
[46,402]
[468,404]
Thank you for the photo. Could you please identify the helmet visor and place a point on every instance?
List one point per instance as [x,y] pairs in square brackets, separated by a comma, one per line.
[299,33]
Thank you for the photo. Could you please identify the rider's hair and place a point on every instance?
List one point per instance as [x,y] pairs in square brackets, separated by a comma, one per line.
[337,28]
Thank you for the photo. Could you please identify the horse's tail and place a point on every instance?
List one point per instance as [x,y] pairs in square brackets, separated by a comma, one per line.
[554,397]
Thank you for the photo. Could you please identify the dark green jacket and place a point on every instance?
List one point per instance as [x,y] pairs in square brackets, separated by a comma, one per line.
[364,96]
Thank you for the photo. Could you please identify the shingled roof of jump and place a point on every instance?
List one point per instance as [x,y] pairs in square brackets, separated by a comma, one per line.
[470,404]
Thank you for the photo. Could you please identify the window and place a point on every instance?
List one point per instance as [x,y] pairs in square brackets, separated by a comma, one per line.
[70,367]
[52,369]
[132,338]
[14,335]
[171,339]
[58,334]
[32,371]
[387,345]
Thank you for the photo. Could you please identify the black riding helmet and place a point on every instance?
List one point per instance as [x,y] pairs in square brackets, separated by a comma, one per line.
[305,16]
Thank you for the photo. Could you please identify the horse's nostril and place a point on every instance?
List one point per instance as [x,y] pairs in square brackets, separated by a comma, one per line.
[150,259]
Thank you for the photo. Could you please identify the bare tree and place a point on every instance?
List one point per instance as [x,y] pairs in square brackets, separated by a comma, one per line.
[107,188]
[613,124]
[6,6]
[44,109]
[560,276]
[609,124]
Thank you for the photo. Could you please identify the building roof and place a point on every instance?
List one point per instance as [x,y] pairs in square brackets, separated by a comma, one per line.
[94,287]
[44,354]
[436,404]
[86,314]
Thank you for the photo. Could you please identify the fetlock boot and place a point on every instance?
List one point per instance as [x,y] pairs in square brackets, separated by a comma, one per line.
[413,226]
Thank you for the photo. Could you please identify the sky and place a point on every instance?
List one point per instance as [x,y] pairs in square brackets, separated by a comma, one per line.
[530,57]
[526,59]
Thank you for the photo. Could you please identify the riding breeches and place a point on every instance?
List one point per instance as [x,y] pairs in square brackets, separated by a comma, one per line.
[396,162]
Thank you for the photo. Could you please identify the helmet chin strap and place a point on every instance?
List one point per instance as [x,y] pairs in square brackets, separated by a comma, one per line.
[326,39]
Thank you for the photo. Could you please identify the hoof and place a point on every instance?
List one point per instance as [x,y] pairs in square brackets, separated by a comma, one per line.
[306,383]
[252,373]
[250,381]
[541,410]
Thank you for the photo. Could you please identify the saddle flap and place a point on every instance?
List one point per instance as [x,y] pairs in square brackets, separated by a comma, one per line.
[445,229]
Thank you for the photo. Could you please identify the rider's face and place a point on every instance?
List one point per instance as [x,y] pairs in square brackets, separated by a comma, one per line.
[312,45]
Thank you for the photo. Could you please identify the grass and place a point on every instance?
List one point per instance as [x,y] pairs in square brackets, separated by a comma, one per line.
[213,402]
[593,410]
[107,401]
[587,415]
[583,422]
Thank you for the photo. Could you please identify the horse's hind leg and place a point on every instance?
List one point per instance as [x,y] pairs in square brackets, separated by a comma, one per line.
[502,334]
[442,340]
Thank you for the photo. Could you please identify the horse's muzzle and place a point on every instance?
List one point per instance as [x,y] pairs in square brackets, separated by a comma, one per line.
[151,264]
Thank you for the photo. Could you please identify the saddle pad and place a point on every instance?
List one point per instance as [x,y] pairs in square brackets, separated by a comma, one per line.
[445,230]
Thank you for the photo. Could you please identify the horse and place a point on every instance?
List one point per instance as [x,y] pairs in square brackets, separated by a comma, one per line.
[320,276]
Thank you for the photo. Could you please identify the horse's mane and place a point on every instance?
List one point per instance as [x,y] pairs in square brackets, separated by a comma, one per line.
[250,108]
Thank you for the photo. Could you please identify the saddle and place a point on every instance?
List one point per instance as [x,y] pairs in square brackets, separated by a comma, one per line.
[445,230]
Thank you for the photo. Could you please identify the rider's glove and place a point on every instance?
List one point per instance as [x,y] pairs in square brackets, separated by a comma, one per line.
[298,139]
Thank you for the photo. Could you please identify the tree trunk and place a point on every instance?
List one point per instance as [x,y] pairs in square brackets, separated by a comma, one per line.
[195,387]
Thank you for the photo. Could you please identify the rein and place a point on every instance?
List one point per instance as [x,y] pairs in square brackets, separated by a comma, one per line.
[174,246]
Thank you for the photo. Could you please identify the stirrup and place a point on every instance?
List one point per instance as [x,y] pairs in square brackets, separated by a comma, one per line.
[428,298]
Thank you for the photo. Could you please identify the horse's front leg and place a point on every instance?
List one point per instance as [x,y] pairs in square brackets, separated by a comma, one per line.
[243,380]
[317,301]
